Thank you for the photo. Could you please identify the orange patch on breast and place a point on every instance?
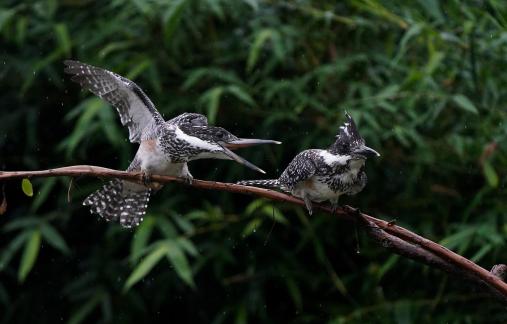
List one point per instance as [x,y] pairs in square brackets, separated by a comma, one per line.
[149,145]
[308,184]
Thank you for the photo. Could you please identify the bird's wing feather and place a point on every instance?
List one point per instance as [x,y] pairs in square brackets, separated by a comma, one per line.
[301,168]
[134,107]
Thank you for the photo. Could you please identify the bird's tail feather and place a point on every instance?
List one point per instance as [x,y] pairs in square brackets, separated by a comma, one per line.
[120,201]
[270,183]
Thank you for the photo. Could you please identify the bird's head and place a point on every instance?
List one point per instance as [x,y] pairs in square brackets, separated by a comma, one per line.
[191,119]
[349,142]
[222,142]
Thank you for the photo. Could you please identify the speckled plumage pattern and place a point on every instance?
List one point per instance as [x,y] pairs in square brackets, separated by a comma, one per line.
[165,147]
[116,203]
[134,107]
[324,175]
[310,174]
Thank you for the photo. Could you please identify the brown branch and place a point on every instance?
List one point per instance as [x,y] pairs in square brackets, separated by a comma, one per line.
[388,235]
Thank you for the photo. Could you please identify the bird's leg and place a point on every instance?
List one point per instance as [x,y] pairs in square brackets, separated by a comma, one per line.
[185,174]
[334,205]
[189,179]
[308,204]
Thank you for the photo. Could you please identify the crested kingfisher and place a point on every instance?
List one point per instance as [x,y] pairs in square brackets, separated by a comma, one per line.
[165,146]
[316,175]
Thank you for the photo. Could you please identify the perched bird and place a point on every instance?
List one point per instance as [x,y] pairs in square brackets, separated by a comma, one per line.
[165,146]
[324,175]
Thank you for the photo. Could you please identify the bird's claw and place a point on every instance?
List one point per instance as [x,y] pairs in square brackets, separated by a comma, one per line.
[149,183]
[188,180]
[146,176]
[356,211]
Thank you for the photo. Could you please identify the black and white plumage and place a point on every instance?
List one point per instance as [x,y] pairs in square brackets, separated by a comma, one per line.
[165,146]
[316,175]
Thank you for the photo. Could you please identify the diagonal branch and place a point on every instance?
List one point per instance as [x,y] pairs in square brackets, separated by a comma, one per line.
[388,235]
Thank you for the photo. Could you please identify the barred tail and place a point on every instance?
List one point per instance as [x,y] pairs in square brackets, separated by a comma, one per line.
[120,201]
[271,183]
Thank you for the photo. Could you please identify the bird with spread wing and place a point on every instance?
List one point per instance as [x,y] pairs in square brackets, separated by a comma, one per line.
[165,147]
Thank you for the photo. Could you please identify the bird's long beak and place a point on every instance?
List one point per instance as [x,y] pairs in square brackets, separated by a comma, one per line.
[245,142]
[366,151]
[241,160]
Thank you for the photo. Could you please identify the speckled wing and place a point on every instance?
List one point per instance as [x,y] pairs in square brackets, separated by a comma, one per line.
[134,107]
[301,168]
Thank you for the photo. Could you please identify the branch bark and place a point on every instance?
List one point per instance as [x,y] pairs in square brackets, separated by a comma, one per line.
[395,238]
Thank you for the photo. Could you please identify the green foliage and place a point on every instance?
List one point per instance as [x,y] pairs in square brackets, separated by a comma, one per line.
[423,79]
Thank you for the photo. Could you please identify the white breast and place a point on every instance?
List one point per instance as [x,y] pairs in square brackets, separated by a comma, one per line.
[332,159]
[316,190]
[355,166]
[155,161]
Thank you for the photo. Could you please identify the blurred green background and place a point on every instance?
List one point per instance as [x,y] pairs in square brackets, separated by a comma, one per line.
[425,81]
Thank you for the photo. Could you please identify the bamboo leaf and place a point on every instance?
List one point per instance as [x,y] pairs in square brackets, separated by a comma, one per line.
[180,263]
[84,311]
[145,266]
[54,239]
[274,213]
[260,39]
[294,292]
[43,194]
[140,239]
[211,99]
[172,18]
[12,248]
[188,246]
[252,226]
[63,38]
[29,256]
[464,103]
[241,94]
[490,174]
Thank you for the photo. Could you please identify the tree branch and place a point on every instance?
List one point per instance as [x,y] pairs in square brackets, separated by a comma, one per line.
[388,235]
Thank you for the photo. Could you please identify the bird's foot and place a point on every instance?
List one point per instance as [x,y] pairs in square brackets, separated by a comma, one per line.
[358,212]
[146,176]
[188,179]
[334,207]
[149,183]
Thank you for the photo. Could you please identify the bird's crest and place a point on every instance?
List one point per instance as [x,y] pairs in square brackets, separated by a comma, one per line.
[348,136]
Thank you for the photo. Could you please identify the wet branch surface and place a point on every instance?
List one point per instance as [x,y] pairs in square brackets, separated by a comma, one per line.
[388,235]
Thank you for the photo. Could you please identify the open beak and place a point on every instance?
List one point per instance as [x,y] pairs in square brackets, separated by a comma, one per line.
[366,151]
[241,160]
[245,142]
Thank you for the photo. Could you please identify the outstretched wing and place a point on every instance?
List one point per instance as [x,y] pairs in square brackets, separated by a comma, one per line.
[301,168]
[135,108]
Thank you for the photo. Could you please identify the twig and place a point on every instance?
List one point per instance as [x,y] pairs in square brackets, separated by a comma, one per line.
[396,238]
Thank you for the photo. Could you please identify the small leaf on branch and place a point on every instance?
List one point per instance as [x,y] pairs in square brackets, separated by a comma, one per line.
[27,187]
